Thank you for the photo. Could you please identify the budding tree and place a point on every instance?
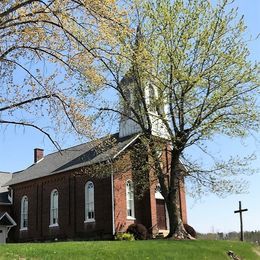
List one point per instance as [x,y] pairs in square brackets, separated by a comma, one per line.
[194,56]
[47,51]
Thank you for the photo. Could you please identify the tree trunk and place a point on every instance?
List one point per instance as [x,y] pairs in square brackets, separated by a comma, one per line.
[170,192]
[177,230]
[172,200]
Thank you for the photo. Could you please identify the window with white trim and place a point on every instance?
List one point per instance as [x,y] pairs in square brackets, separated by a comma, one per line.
[24,212]
[54,207]
[89,202]
[130,199]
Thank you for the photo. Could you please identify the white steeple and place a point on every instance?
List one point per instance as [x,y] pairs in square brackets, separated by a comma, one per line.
[135,93]
[128,125]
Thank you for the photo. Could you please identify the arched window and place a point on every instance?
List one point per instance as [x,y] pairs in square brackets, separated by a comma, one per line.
[24,212]
[54,208]
[89,202]
[130,199]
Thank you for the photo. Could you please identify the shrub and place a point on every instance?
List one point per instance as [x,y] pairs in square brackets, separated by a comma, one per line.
[124,236]
[190,230]
[139,231]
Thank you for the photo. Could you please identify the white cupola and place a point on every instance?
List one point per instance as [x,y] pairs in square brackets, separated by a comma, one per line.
[128,125]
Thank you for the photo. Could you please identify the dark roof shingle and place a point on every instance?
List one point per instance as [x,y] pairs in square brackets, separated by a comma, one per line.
[75,157]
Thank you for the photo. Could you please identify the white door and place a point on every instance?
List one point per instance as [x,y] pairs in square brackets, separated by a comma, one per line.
[2,234]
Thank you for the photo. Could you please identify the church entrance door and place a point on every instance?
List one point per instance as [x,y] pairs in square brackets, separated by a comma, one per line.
[161,214]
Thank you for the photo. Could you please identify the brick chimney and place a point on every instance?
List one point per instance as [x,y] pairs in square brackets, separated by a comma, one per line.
[38,154]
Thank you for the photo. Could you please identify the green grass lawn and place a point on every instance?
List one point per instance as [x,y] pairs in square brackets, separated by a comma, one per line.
[155,249]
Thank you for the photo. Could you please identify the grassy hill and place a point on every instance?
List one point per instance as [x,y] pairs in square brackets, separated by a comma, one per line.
[155,249]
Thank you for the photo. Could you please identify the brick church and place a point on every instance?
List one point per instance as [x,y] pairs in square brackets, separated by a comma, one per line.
[85,192]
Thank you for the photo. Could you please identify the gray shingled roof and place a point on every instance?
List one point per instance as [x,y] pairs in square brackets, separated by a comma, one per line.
[75,157]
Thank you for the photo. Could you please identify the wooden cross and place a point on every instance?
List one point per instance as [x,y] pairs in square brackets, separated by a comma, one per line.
[241,220]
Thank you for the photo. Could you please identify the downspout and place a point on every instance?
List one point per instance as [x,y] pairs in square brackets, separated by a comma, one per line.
[112,195]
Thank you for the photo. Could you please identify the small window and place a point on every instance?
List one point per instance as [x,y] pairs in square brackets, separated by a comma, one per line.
[130,199]
[89,202]
[24,212]
[54,207]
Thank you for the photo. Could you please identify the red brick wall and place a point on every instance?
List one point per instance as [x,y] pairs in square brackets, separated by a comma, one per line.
[71,188]
[153,208]
[5,208]
[183,207]
[121,222]
[103,209]
[141,203]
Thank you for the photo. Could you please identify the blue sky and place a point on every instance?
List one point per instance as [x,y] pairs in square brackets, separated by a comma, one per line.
[205,215]
[211,213]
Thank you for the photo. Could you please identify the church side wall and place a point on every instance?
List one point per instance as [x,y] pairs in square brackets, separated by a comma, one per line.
[5,208]
[71,189]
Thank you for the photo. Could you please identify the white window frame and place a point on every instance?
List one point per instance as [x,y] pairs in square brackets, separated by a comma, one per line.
[54,208]
[24,213]
[130,207]
[89,202]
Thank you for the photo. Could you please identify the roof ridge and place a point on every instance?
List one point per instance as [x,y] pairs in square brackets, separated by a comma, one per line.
[92,141]
[82,155]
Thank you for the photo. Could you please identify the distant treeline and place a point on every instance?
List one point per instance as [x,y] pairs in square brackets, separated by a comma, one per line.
[249,236]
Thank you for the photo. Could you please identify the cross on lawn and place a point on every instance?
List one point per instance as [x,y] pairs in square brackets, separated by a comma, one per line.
[241,220]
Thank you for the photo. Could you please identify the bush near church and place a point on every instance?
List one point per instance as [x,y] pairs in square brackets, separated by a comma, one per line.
[124,236]
[139,231]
